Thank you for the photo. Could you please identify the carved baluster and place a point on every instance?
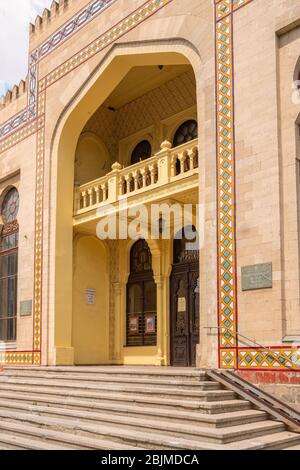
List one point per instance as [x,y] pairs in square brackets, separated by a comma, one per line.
[97,192]
[84,199]
[121,186]
[136,180]
[191,157]
[196,158]
[127,183]
[152,174]
[104,192]
[182,163]
[144,177]
[91,199]
[173,165]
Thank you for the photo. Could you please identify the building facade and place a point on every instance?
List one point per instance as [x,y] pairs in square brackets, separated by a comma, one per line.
[142,103]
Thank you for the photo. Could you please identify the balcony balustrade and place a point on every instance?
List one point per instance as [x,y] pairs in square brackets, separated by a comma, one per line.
[167,166]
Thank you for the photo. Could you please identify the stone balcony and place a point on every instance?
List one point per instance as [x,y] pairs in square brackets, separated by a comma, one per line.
[165,176]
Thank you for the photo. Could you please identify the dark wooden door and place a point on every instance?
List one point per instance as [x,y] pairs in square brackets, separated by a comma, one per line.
[184,313]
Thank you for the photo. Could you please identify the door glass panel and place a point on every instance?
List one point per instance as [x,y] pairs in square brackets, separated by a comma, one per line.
[135,299]
[11,296]
[3,299]
[150,296]
[4,266]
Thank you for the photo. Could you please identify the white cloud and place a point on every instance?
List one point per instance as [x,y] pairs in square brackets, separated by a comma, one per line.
[15,16]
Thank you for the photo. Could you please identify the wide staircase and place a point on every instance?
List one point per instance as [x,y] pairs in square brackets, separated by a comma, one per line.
[126,408]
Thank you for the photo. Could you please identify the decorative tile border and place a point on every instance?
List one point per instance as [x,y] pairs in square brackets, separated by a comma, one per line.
[20,358]
[276,358]
[23,133]
[231,356]
[227,286]
[80,19]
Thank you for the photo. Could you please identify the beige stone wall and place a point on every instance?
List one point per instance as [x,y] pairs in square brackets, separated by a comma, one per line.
[266,173]
[18,171]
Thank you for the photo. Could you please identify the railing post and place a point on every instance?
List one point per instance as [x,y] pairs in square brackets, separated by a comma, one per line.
[164,163]
[113,183]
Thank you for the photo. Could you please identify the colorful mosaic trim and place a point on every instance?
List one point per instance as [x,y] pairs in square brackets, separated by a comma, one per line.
[230,355]
[56,39]
[227,294]
[81,19]
[18,136]
[273,358]
[20,358]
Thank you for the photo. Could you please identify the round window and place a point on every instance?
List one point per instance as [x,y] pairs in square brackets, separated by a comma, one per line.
[141,152]
[186,132]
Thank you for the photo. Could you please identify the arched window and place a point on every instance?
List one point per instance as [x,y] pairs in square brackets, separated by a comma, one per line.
[9,241]
[141,152]
[141,298]
[186,132]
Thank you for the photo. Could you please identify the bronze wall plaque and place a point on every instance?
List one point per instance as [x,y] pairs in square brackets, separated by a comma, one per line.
[259,276]
[25,308]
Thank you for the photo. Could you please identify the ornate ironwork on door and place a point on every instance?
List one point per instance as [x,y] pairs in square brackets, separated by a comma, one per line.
[185,306]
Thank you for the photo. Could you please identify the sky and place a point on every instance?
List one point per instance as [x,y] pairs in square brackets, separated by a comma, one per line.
[15,16]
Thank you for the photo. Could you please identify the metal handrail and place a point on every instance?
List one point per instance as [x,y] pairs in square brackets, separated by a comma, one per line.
[236,334]
[259,398]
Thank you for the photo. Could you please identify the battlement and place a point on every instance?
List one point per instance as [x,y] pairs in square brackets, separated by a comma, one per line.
[56,9]
[15,93]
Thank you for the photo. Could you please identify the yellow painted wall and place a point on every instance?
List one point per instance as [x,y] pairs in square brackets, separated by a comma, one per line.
[90,322]
[140,356]
[92,159]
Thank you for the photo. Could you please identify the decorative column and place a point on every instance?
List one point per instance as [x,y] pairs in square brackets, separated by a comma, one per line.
[118,339]
[113,183]
[164,163]
[159,281]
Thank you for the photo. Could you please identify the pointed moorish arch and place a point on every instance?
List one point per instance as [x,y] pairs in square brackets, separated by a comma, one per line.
[98,86]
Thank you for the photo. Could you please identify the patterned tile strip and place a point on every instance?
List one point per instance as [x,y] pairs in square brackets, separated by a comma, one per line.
[227,295]
[273,358]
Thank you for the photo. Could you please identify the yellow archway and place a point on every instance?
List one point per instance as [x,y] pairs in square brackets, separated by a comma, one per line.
[98,87]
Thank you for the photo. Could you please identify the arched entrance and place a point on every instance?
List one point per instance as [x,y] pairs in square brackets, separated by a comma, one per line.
[102,95]
[184,300]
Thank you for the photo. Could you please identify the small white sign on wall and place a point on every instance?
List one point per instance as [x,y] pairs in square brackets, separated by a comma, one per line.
[90,296]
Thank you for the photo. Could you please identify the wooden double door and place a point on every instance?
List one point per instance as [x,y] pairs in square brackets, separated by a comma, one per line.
[185,308]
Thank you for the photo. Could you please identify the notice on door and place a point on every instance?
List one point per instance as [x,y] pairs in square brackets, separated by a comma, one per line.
[181,304]
[90,296]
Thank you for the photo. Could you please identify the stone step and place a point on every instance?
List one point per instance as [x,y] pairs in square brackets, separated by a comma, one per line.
[133,430]
[218,405]
[278,441]
[212,392]
[11,442]
[59,439]
[111,380]
[296,447]
[113,414]
[116,371]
